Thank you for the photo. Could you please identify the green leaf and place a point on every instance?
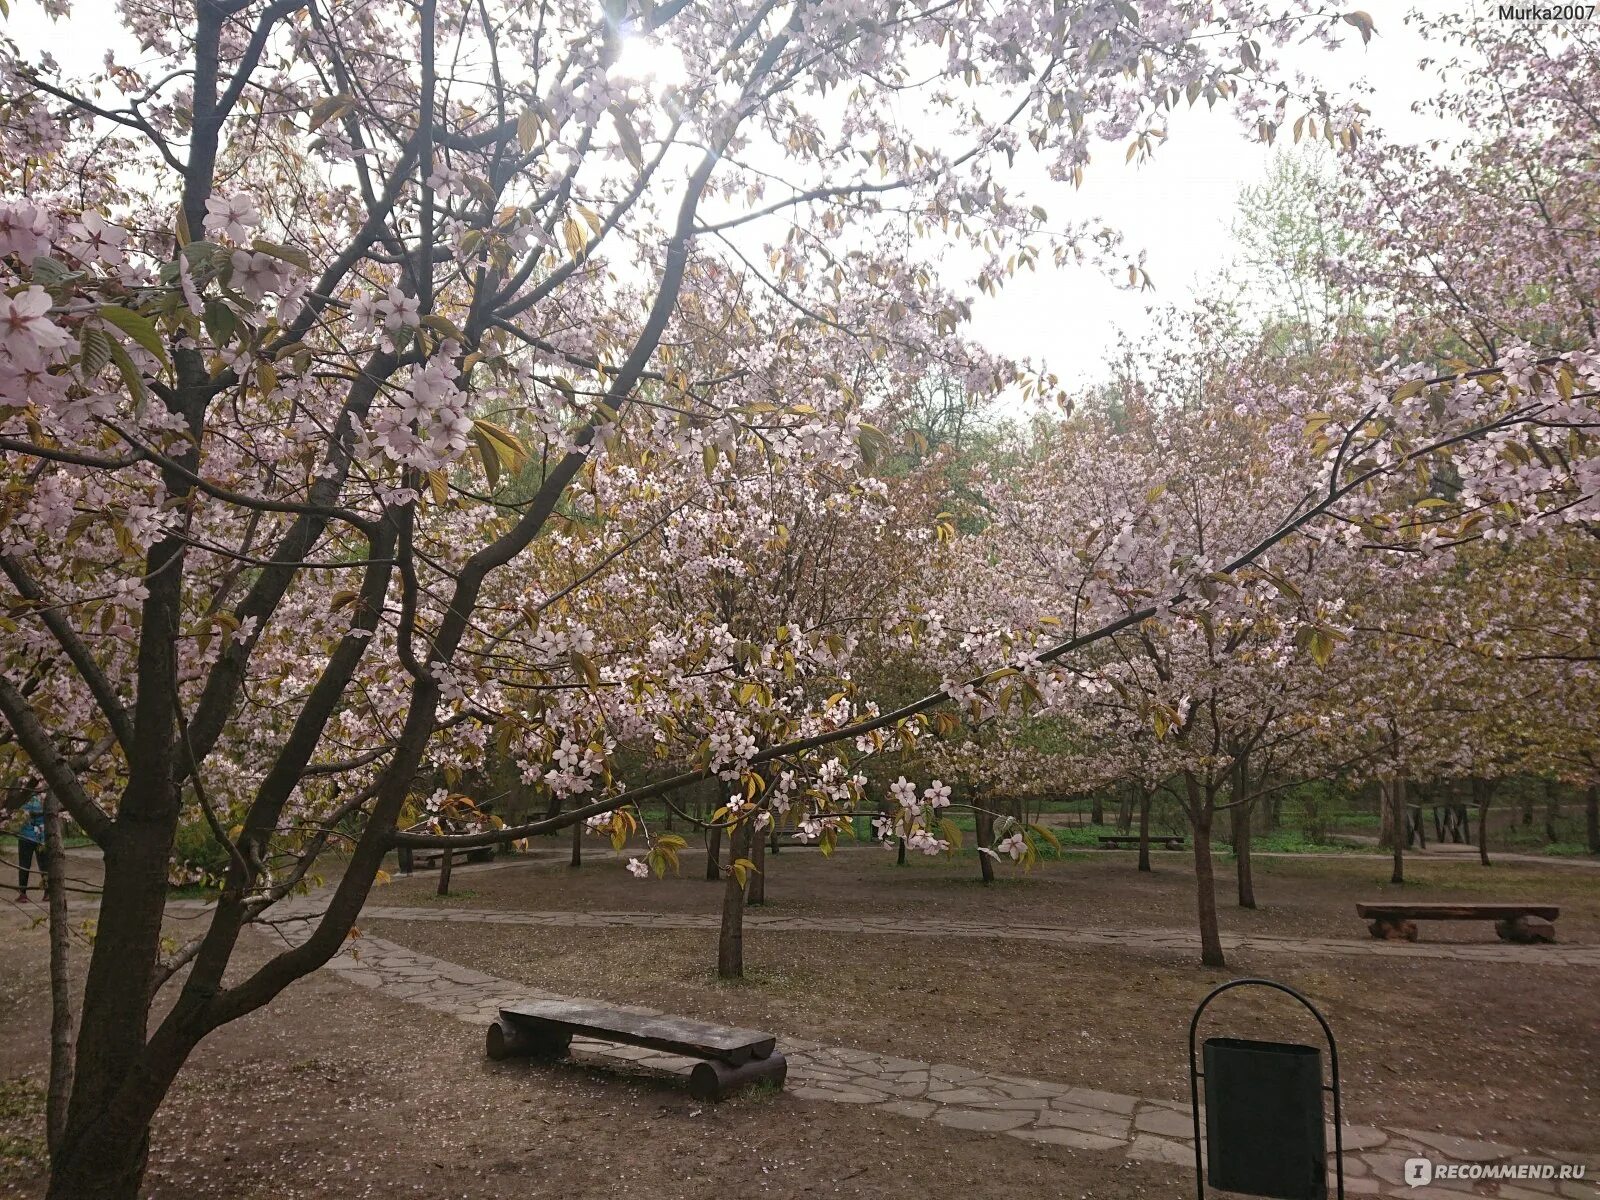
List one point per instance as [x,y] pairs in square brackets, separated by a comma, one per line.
[138,327]
[95,350]
[328,108]
[292,255]
[130,376]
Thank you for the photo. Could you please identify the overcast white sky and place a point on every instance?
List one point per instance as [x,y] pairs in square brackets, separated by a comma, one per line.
[1178,206]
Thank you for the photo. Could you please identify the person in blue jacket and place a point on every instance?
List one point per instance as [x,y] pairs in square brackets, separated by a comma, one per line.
[30,843]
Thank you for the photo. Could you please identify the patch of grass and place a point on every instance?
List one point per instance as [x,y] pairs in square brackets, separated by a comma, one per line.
[21,1105]
[1292,841]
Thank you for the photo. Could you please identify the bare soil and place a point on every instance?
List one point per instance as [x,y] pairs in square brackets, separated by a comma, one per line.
[1308,896]
[334,1093]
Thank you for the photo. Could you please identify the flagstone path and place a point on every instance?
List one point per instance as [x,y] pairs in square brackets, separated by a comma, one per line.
[1031,1110]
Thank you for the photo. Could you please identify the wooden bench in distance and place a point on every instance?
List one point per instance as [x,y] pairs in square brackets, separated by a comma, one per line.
[731,1058]
[1513,922]
[1124,841]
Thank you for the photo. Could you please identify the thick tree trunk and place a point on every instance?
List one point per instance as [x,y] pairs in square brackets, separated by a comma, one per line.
[755,891]
[1145,796]
[1591,818]
[1201,811]
[1125,812]
[714,854]
[730,942]
[105,1147]
[61,1031]
[1552,811]
[1097,809]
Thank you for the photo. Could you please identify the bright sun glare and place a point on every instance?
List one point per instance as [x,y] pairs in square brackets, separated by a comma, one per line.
[644,58]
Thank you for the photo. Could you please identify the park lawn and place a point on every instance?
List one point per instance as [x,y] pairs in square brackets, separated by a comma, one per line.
[334,1093]
[1500,1051]
[1301,896]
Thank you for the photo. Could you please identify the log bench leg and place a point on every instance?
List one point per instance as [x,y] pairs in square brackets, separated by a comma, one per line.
[1525,930]
[717,1080]
[1390,930]
[507,1040]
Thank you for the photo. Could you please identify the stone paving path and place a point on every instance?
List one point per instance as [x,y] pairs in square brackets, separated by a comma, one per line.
[1558,955]
[1031,1110]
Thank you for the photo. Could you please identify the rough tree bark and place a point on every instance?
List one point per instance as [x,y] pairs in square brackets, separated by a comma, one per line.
[1591,818]
[447,861]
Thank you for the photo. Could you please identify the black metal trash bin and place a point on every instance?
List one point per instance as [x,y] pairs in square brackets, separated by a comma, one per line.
[1265,1134]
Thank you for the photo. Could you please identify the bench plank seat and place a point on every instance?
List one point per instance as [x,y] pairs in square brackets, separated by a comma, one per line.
[1523,923]
[676,1035]
[1456,912]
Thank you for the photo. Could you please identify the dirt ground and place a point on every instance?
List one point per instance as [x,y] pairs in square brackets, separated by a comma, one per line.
[1505,1052]
[337,1094]
[1309,896]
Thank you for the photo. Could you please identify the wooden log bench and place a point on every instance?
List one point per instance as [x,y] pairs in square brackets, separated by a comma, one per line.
[1513,922]
[1130,841]
[431,859]
[730,1058]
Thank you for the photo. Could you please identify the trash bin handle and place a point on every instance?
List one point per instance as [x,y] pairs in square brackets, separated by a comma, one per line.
[1333,1069]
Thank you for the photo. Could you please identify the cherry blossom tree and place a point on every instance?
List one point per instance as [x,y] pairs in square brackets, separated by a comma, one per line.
[324,323]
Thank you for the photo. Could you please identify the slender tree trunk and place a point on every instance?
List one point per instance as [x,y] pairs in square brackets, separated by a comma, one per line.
[1397,800]
[1388,831]
[577,845]
[447,860]
[714,854]
[1202,808]
[1591,818]
[900,854]
[1242,831]
[1125,811]
[1552,811]
[773,840]
[1145,796]
[730,943]
[61,1030]
[756,890]
[1097,809]
[1482,792]
[983,821]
